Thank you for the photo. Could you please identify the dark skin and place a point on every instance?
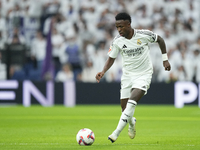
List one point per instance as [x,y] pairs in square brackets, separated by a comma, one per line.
[124,28]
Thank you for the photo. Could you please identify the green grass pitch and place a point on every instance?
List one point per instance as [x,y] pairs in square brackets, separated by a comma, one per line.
[159,127]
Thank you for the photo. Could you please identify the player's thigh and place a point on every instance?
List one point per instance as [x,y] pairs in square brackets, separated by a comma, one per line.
[137,94]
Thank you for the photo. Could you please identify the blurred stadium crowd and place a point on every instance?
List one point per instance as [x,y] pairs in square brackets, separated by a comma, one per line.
[82,30]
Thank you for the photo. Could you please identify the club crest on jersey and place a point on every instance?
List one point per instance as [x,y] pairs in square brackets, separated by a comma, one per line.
[139,42]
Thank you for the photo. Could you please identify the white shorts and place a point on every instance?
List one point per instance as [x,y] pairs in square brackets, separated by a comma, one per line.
[129,82]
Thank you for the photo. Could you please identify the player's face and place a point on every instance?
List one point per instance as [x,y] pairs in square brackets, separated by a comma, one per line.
[123,27]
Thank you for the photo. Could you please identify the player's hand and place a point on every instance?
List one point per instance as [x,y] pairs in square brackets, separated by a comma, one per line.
[167,65]
[99,75]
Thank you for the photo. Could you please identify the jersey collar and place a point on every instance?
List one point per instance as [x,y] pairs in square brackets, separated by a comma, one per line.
[134,32]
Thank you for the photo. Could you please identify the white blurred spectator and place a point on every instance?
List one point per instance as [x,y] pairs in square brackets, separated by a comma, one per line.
[38,49]
[89,72]
[57,40]
[69,9]
[3,24]
[187,64]
[63,25]
[35,8]
[65,74]
[2,40]
[15,16]
[31,24]
[100,55]
[16,34]
[50,6]
[91,17]
[2,69]
[7,6]
[196,61]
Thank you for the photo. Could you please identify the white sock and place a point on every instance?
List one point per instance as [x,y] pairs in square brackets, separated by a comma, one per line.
[126,116]
[131,122]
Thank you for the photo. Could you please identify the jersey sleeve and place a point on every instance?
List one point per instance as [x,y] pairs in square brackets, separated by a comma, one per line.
[113,51]
[150,36]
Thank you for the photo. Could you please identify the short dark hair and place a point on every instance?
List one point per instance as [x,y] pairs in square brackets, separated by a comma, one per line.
[123,16]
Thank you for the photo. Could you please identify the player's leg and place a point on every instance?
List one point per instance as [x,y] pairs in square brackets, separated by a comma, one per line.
[136,95]
[132,122]
[113,137]
[127,114]
[123,103]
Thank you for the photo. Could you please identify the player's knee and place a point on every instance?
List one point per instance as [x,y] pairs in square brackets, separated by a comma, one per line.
[137,94]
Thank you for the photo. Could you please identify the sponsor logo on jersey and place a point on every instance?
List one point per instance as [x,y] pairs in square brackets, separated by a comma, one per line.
[134,52]
[139,42]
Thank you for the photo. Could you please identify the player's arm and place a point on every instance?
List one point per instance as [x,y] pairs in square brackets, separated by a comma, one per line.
[162,46]
[107,65]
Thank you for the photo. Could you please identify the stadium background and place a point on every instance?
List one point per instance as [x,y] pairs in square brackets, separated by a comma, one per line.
[67,41]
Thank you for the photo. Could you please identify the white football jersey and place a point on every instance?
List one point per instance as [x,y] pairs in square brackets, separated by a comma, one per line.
[135,52]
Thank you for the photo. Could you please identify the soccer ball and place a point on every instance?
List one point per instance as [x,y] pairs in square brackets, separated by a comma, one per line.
[85,136]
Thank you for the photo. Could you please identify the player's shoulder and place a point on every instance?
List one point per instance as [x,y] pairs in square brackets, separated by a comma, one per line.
[143,32]
[117,38]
